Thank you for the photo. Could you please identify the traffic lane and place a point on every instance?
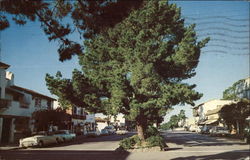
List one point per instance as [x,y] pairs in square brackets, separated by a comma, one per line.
[101,143]
[62,155]
[189,145]
[193,139]
[179,154]
[205,155]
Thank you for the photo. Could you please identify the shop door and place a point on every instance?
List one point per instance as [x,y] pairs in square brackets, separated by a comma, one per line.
[6,130]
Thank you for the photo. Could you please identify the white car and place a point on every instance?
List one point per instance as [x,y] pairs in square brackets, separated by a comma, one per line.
[219,131]
[193,128]
[199,129]
[39,139]
[122,131]
[65,135]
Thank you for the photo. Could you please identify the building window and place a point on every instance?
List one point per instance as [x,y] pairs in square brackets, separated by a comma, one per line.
[49,104]
[74,110]
[82,111]
[37,102]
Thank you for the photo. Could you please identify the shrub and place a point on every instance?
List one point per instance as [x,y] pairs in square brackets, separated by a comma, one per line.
[129,143]
[156,141]
[152,131]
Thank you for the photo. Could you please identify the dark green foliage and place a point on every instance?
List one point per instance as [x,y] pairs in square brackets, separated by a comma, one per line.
[156,141]
[236,113]
[135,142]
[152,131]
[136,67]
[129,143]
[61,18]
[44,118]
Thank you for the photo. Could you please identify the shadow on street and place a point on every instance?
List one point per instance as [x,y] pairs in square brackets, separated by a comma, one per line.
[193,139]
[82,140]
[63,155]
[232,155]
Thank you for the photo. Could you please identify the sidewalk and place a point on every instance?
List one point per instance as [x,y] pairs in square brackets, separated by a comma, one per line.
[9,147]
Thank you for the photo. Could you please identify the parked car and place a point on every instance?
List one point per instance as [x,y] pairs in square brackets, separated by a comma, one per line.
[93,133]
[198,129]
[206,129]
[193,128]
[122,130]
[110,129]
[247,131]
[65,135]
[39,139]
[104,132]
[219,131]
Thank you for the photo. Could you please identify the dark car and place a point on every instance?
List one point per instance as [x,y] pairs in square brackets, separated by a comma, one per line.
[247,131]
[205,129]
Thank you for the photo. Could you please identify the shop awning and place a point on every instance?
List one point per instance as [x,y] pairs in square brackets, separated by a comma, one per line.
[210,121]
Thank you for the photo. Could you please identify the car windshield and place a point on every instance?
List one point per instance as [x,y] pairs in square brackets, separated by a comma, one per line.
[221,128]
[62,132]
[39,133]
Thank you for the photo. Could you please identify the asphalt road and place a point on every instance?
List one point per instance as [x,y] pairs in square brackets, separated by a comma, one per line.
[182,145]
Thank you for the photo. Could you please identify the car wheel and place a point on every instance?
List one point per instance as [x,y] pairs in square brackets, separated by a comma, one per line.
[245,140]
[57,141]
[23,146]
[40,144]
[64,140]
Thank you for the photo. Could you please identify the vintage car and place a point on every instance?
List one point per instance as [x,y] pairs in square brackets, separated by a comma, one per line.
[104,132]
[215,130]
[110,129]
[122,130]
[39,139]
[94,133]
[246,132]
[65,135]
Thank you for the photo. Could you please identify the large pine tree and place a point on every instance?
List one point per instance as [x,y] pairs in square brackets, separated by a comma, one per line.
[137,67]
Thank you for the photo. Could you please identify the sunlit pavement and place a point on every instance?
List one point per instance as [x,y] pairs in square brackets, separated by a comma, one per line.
[182,145]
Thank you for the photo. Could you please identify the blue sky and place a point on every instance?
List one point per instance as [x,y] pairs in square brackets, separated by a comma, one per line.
[224,60]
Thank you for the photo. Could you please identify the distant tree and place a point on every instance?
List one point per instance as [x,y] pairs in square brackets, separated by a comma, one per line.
[44,118]
[233,92]
[236,113]
[137,66]
[174,120]
[61,18]
[182,115]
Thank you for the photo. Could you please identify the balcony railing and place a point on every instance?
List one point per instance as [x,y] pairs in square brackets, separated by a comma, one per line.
[4,103]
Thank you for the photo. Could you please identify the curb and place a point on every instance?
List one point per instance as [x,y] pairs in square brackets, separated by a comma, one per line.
[9,148]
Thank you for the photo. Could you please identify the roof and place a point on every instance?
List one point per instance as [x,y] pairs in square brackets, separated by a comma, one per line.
[210,121]
[13,91]
[4,66]
[31,92]
[99,119]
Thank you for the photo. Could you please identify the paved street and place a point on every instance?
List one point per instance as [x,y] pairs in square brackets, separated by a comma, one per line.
[183,145]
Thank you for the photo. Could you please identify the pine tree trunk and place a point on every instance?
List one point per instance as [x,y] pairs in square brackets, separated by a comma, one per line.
[141,131]
[141,127]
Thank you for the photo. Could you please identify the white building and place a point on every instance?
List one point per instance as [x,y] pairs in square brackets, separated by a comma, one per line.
[243,88]
[208,112]
[81,121]
[118,120]
[16,107]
